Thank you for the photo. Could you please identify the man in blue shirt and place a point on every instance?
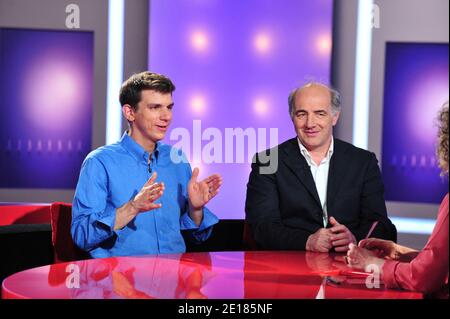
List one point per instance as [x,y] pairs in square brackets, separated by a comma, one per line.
[135,196]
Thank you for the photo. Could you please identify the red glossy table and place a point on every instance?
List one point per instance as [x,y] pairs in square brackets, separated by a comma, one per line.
[216,275]
[24,213]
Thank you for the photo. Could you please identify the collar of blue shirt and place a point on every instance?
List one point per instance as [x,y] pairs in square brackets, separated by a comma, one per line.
[137,150]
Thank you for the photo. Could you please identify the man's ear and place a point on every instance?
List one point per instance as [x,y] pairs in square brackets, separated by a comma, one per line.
[336,118]
[128,112]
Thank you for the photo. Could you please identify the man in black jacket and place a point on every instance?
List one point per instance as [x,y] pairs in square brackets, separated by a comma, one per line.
[324,193]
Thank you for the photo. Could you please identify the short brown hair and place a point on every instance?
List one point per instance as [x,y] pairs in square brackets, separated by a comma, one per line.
[130,92]
[442,147]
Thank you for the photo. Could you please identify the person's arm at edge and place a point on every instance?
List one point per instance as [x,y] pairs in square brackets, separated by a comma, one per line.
[425,273]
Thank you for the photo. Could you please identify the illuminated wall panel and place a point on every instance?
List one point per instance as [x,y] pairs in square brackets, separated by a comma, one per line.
[416,86]
[234,64]
[45,107]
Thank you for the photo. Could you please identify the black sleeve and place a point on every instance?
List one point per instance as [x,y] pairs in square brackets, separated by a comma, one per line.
[263,214]
[373,206]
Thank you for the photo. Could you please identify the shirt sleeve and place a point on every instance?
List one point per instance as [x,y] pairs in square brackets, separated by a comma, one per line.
[203,231]
[429,270]
[93,218]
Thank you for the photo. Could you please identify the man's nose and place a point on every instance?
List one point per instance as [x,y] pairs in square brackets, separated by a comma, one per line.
[310,122]
[166,114]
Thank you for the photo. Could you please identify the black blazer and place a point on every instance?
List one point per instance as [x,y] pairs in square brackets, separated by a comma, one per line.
[283,208]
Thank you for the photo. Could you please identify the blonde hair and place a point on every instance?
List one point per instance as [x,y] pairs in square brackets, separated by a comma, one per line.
[442,147]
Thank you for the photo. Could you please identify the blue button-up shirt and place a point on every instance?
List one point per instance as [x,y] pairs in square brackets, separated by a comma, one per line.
[110,177]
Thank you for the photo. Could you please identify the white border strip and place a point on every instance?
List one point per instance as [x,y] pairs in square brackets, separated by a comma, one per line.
[423,226]
[362,74]
[116,17]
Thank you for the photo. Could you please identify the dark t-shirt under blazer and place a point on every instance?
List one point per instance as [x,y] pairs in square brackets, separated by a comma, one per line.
[283,208]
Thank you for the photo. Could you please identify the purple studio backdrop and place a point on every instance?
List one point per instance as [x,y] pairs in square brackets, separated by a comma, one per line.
[46,107]
[416,86]
[234,64]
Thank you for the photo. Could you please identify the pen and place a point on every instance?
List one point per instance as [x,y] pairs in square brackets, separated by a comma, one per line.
[375,223]
[331,281]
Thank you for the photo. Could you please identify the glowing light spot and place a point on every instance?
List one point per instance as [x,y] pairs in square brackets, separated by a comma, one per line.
[198,104]
[262,43]
[261,106]
[199,41]
[324,44]
[54,93]
[424,102]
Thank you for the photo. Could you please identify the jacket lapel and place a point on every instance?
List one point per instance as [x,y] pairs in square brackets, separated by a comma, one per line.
[336,171]
[297,163]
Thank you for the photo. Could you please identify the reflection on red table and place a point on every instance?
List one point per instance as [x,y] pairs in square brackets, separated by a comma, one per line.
[216,275]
